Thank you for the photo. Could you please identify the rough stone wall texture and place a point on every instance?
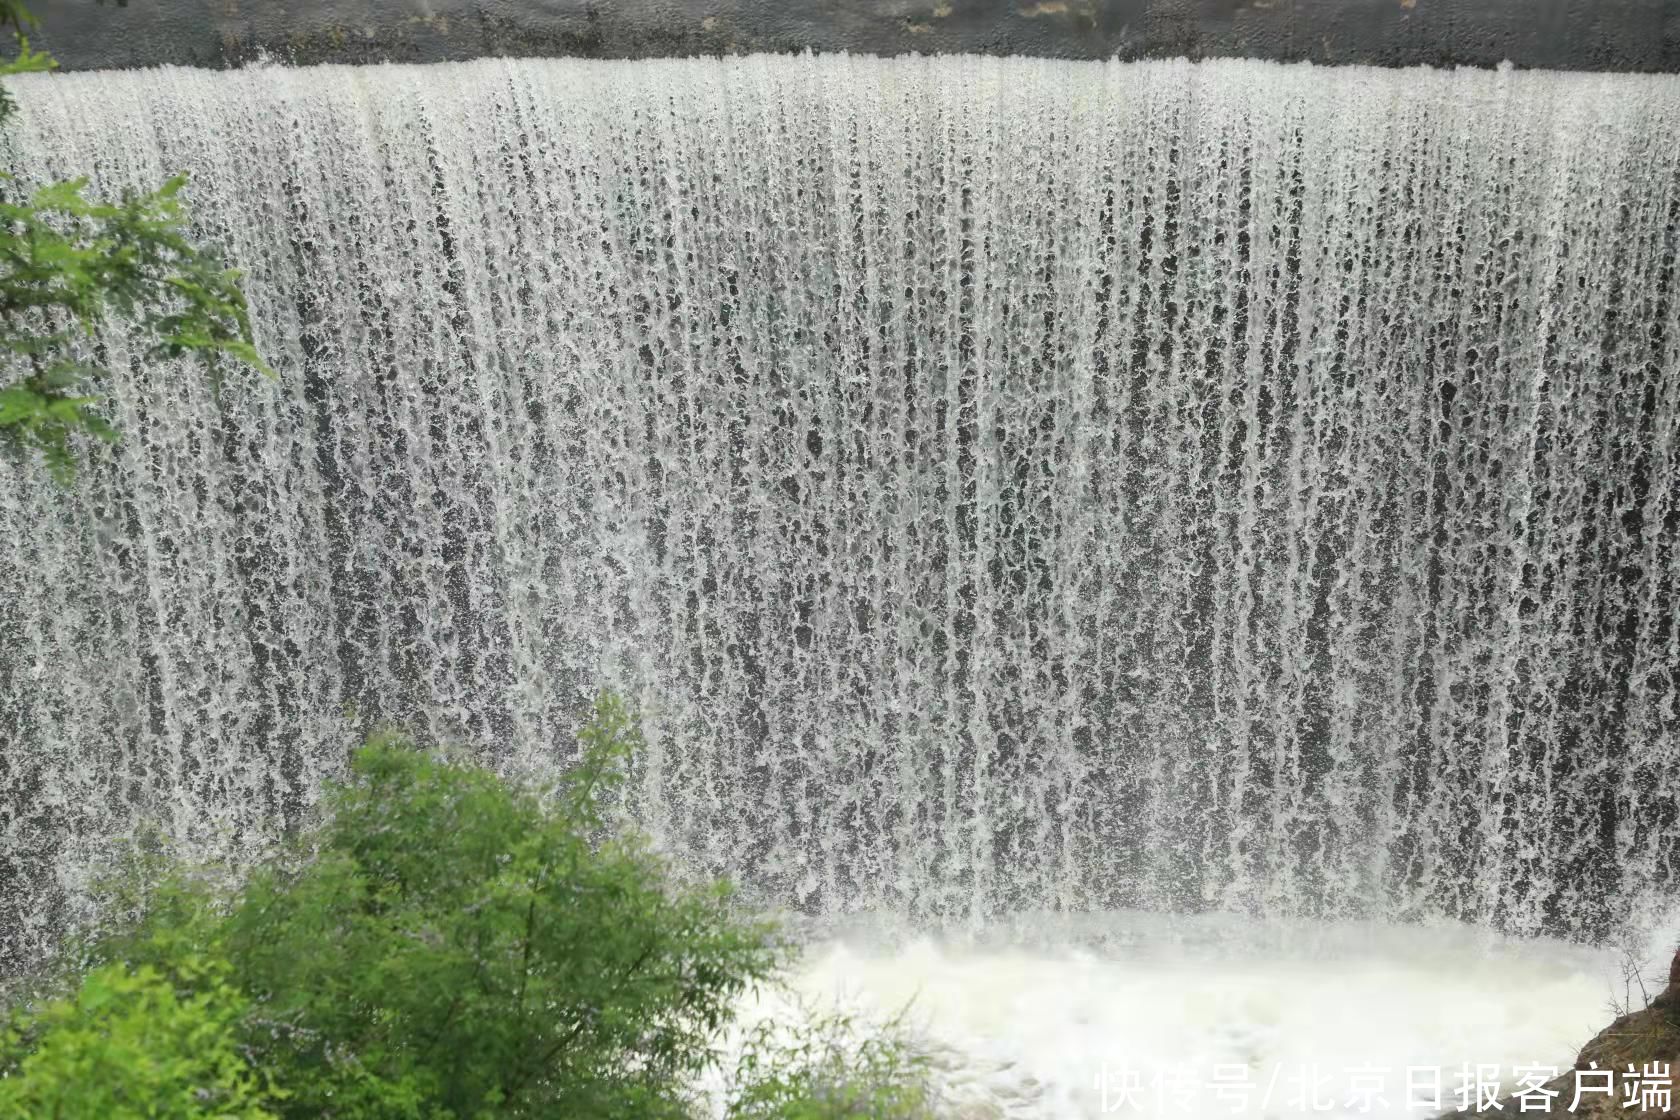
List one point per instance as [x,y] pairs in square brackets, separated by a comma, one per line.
[1564,34]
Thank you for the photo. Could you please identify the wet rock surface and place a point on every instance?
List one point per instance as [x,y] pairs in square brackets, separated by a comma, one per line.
[1561,34]
[1642,1045]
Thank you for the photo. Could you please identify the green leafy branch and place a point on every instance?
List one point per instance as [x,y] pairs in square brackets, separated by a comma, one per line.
[70,263]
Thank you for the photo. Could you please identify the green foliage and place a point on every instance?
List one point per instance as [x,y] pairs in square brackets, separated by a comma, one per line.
[831,1068]
[444,945]
[67,264]
[20,21]
[128,1046]
[460,947]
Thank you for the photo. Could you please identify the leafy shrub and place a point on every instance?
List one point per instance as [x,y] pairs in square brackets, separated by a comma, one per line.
[69,263]
[457,946]
[128,1045]
[444,946]
[831,1067]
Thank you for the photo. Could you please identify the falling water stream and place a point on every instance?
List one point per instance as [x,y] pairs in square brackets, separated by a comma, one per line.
[1004,486]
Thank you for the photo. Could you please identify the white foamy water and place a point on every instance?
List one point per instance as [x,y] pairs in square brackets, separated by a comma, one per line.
[1172,1019]
[1003,485]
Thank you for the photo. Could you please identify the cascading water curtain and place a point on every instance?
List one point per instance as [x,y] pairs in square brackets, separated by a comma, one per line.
[1001,484]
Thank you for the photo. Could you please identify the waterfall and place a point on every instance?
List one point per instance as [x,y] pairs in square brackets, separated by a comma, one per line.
[1003,485]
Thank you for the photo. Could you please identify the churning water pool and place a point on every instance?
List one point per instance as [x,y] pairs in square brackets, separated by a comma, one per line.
[1150,1016]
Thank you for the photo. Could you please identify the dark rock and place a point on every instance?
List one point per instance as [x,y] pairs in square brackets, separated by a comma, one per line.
[1564,34]
[1636,1039]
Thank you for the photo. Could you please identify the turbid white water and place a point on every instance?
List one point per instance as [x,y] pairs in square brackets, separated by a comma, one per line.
[1178,1019]
[1002,484]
